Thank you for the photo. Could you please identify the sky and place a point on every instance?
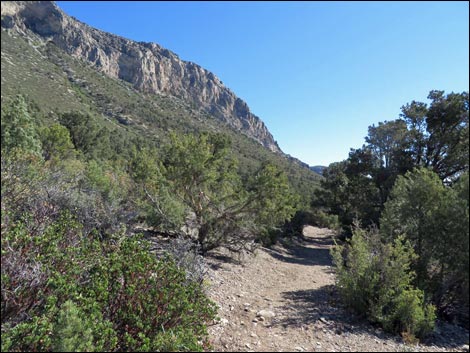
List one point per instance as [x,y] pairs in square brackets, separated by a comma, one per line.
[317,73]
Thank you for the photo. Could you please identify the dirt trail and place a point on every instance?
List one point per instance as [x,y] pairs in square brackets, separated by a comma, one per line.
[283,299]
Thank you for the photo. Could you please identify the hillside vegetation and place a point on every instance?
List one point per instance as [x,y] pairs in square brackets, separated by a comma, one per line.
[92,167]
[73,191]
[54,82]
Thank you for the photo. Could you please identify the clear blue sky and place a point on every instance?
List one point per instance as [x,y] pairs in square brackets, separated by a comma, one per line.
[317,73]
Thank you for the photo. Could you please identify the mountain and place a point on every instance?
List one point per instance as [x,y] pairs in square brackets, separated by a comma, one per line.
[147,66]
[63,65]
[318,169]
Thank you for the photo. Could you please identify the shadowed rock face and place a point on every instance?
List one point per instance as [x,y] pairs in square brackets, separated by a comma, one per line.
[148,66]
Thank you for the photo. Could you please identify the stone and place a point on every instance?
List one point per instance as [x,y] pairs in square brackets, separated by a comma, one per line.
[265,313]
[325,321]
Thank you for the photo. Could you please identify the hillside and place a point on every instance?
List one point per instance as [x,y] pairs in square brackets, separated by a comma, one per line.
[147,66]
[43,57]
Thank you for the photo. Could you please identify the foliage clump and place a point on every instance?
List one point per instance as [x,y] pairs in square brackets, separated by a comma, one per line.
[18,129]
[198,180]
[434,136]
[435,219]
[375,280]
[65,290]
[410,179]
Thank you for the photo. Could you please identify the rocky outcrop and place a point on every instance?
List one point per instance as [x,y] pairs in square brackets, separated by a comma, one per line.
[148,66]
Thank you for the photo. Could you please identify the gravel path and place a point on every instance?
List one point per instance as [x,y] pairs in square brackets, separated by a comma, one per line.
[283,299]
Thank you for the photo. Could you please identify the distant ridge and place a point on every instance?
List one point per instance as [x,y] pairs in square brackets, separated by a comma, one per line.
[318,169]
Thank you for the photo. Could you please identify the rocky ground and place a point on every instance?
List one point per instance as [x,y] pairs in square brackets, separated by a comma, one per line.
[283,299]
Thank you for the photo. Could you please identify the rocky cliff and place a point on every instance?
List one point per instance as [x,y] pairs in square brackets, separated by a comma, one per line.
[148,66]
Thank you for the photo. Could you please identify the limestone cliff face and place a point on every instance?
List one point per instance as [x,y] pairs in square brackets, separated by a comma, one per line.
[148,66]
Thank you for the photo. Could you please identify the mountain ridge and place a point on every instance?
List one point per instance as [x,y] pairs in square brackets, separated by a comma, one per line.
[318,169]
[149,67]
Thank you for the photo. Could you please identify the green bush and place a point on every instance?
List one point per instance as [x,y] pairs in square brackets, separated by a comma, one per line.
[435,219]
[325,220]
[76,292]
[409,316]
[18,129]
[56,143]
[222,210]
[73,331]
[374,280]
[300,219]
[318,218]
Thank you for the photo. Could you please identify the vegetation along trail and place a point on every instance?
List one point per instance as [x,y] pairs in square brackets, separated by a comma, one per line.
[283,299]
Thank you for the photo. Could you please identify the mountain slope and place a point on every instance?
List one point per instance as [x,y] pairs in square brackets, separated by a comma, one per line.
[56,82]
[147,66]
